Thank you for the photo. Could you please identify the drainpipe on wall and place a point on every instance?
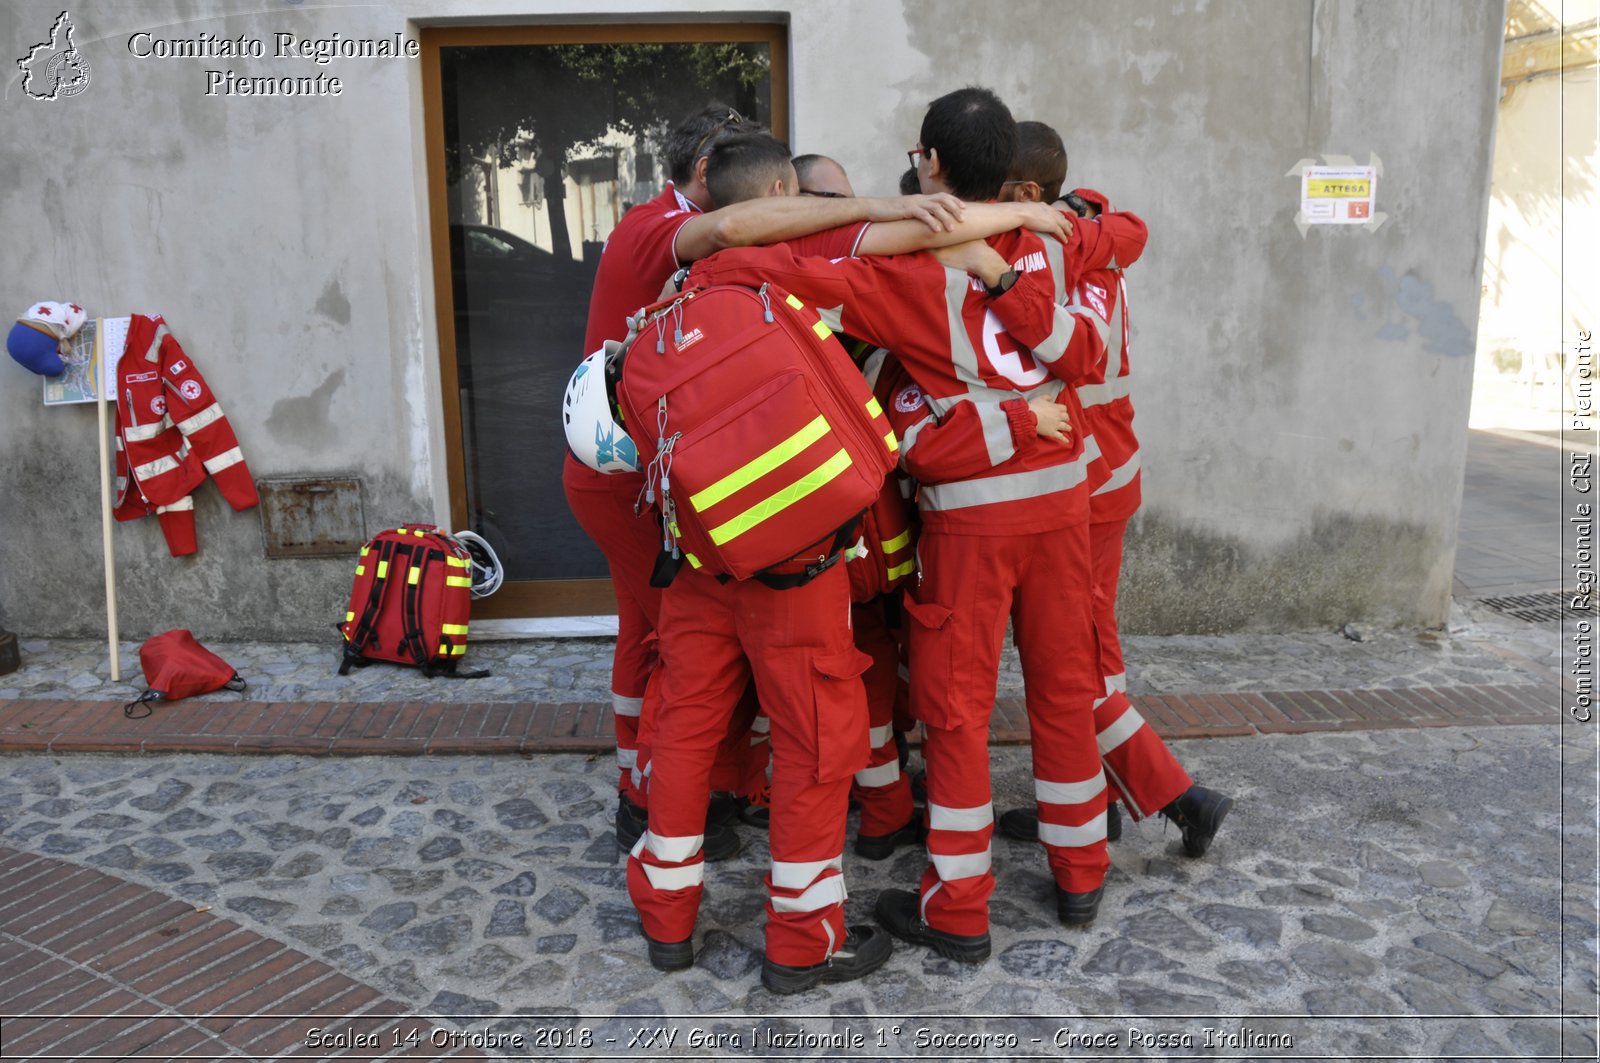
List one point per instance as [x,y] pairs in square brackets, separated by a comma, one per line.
[10,660]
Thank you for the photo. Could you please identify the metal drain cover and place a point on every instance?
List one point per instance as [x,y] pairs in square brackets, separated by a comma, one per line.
[1545,608]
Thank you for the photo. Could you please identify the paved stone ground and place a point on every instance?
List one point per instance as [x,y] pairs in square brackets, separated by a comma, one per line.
[1444,873]
[1478,646]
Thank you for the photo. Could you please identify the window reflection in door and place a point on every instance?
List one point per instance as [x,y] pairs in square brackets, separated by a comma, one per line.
[545,147]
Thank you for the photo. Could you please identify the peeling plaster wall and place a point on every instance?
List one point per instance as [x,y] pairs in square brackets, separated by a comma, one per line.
[1302,398]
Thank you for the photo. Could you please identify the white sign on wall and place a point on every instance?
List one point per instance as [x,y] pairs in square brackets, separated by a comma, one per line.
[1337,195]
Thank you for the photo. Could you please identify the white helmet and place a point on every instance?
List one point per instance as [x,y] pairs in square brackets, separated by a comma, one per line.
[593,434]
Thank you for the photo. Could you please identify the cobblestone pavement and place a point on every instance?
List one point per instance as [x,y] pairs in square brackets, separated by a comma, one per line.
[1445,873]
[1478,646]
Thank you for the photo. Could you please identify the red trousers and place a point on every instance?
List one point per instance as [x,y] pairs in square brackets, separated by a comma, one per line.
[884,793]
[603,504]
[796,647]
[1137,762]
[970,586]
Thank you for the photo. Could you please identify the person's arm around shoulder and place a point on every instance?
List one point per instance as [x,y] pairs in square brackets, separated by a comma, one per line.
[774,218]
[982,220]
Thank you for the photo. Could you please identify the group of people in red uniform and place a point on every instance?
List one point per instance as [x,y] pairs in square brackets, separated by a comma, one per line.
[990,317]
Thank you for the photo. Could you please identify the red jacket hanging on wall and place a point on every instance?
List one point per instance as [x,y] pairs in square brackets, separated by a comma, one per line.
[171,433]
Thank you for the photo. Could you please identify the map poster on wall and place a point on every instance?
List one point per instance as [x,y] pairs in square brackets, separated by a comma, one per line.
[92,367]
[1337,195]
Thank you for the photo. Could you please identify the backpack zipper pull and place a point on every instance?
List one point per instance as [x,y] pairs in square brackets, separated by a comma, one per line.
[766,304]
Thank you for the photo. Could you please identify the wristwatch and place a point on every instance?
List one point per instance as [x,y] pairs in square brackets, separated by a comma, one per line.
[1003,285]
[679,277]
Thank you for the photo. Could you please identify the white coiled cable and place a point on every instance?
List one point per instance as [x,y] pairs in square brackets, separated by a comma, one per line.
[486,579]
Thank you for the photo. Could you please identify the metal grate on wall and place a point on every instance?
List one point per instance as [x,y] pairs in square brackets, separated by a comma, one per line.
[1545,608]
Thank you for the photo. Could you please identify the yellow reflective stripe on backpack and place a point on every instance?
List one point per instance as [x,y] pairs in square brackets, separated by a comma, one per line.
[752,471]
[796,303]
[822,331]
[457,651]
[694,562]
[453,629]
[414,576]
[457,562]
[898,543]
[906,569]
[458,581]
[383,570]
[813,481]
[873,409]
[361,570]
[349,617]
[891,442]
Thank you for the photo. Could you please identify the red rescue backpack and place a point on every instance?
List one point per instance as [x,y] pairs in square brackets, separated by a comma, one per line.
[888,543]
[761,442]
[410,602]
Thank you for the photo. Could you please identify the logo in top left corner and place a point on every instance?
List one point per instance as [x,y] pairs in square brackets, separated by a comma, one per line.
[55,68]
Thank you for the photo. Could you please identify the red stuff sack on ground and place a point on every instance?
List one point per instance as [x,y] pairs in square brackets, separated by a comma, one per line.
[177,666]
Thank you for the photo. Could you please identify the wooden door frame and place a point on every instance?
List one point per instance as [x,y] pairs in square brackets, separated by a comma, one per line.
[540,598]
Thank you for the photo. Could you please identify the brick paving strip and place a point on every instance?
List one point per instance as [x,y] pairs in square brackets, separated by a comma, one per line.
[348,729]
[93,966]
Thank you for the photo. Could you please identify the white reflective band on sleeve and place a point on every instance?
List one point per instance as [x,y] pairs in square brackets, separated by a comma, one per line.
[621,706]
[1058,266]
[155,468]
[1068,793]
[674,878]
[882,775]
[831,316]
[138,433]
[200,420]
[1061,332]
[872,365]
[1120,731]
[1101,701]
[880,736]
[223,460]
[963,356]
[182,505]
[671,850]
[1117,682]
[1071,837]
[962,865]
[1010,487]
[1121,476]
[1101,394]
[822,894]
[942,818]
[798,874]
[909,439]
[996,433]
[761,724]
[1100,324]
[153,352]
[627,758]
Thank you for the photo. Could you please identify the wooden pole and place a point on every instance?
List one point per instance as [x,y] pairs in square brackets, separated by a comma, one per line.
[103,393]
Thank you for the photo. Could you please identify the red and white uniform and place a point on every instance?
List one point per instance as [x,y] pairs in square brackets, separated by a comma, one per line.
[795,646]
[1010,541]
[639,257]
[1136,760]
[171,434]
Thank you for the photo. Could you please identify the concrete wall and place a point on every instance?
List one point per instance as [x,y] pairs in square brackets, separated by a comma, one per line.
[1302,398]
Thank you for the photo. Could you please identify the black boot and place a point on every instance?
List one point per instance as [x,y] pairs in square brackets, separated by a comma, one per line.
[1078,909]
[865,949]
[882,846]
[721,840]
[1199,813]
[1023,823]
[900,913]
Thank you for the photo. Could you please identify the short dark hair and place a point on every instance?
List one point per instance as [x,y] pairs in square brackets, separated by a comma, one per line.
[693,138]
[804,163]
[742,166]
[910,183]
[976,138]
[1041,158]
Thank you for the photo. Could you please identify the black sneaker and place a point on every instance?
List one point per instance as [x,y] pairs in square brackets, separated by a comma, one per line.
[670,955]
[757,810]
[900,914]
[1078,909]
[865,949]
[721,841]
[1199,813]
[882,846]
[1023,823]
[631,822]
[721,808]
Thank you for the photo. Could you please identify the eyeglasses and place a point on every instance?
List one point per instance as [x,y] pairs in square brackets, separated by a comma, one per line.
[911,156]
[731,119]
[823,195]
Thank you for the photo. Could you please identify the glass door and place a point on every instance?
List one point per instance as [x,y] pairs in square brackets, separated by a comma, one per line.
[539,140]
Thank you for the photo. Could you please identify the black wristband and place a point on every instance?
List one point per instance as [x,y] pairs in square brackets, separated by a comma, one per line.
[1003,285]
